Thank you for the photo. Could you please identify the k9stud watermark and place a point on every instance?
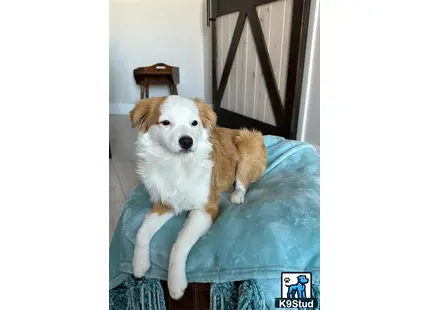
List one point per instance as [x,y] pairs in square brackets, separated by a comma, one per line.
[296,289]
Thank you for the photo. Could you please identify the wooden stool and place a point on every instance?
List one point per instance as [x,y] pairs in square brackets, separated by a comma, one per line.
[158,74]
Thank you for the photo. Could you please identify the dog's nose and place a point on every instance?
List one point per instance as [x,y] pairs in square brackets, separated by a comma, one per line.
[185,142]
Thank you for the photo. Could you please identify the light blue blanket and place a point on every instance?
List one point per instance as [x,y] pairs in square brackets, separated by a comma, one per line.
[276,230]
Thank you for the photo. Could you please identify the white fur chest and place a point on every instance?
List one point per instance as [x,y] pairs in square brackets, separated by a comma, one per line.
[181,181]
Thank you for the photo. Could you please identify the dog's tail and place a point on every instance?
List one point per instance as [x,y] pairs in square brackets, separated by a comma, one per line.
[248,135]
[250,142]
[253,152]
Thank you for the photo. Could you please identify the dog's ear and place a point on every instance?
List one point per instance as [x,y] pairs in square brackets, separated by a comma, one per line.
[140,112]
[146,113]
[207,114]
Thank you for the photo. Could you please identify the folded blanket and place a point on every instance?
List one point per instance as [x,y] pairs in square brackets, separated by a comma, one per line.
[276,230]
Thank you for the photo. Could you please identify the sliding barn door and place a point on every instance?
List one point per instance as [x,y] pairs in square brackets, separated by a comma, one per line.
[258,49]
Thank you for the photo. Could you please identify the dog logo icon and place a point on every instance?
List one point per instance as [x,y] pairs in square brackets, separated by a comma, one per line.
[296,291]
[296,285]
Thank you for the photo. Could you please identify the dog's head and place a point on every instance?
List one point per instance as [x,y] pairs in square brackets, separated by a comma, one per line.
[302,279]
[177,124]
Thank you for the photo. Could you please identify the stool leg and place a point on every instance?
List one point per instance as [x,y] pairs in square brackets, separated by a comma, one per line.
[141,92]
[147,91]
[175,90]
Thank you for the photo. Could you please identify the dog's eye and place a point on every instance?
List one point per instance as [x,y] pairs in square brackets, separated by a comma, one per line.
[165,123]
[194,123]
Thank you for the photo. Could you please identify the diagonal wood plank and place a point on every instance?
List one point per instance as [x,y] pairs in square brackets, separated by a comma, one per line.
[266,66]
[230,57]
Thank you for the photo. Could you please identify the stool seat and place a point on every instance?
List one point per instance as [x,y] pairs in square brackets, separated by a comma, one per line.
[157,74]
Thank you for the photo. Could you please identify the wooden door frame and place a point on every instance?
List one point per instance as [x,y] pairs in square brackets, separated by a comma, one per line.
[286,118]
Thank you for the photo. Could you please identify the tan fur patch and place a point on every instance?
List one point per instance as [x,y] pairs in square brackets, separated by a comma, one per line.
[253,156]
[146,113]
[207,115]
[225,156]
[160,208]
[212,209]
[237,154]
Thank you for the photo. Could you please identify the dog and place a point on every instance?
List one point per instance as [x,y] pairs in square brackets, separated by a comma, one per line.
[299,288]
[185,162]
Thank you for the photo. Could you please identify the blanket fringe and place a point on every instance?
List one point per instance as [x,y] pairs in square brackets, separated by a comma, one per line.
[223,296]
[132,294]
[251,296]
[151,294]
[143,294]
[147,294]
[118,298]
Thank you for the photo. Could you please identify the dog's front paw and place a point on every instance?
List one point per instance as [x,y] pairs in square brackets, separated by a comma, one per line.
[141,262]
[237,197]
[177,283]
[176,277]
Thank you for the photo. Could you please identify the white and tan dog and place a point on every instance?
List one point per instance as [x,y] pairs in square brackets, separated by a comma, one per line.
[185,162]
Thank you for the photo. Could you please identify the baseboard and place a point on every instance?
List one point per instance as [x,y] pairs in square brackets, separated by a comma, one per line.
[120,108]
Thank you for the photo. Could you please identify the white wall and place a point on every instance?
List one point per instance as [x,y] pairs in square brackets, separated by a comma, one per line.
[144,32]
[309,117]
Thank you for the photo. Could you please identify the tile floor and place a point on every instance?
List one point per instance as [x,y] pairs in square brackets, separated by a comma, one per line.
[122,176]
